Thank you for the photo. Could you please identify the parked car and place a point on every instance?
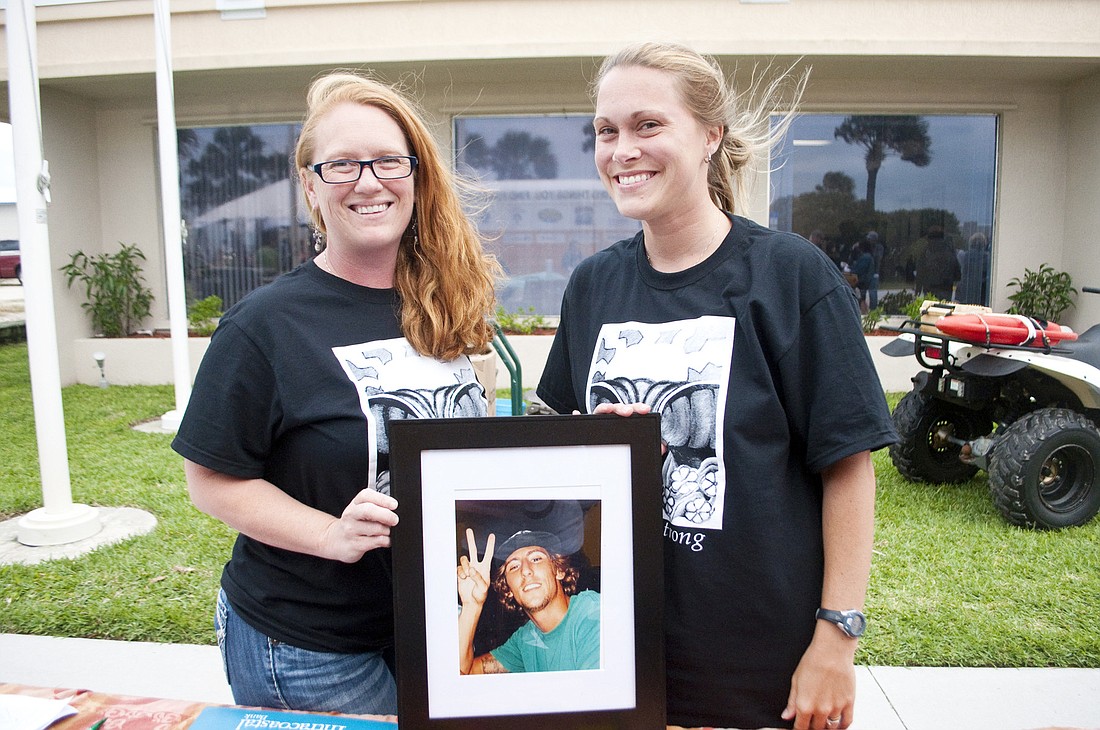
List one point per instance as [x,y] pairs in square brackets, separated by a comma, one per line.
[10,266]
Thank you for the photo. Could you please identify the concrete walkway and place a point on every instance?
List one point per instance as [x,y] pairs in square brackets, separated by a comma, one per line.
[889,698]
[11,301]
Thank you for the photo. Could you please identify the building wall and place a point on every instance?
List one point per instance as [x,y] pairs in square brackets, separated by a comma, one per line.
[129,197]
[290,34]
[1036,64]
[9,221]
[1082,211]
[1035,149]
[1030,228]
[74,224]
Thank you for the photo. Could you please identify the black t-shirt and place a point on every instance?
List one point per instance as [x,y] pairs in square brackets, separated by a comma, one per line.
[757,363]
[296,387]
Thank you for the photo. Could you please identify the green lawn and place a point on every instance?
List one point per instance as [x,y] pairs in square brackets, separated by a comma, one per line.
[952,583]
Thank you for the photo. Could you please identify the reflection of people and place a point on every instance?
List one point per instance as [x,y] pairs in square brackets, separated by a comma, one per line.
[878,252]
[285,435]
[863,266]
[563,627]
[974,285]
[748,343]
[937,266]
[571,257]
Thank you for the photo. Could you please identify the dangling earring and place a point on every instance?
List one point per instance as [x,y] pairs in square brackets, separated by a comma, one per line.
[318,240]
[413,230]
[707,158]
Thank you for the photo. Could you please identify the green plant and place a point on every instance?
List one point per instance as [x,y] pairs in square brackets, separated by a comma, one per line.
[520,322]
[114,288]
[873,318]
[913,308]
[897,302]
[202,315]
[1043,294]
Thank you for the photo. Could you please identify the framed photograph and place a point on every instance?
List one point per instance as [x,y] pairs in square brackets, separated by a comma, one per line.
[528,572]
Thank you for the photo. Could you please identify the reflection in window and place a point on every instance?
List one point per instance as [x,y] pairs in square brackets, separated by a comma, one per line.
[549,209]
[912,179]
[241,205]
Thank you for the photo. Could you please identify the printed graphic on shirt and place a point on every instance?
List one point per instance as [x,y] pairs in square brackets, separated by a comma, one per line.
[681,370]
[394,381]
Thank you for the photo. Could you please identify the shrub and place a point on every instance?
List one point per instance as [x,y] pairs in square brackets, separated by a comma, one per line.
[898,302]
[117,298]
[520,322]
[872,319]
[1044,294]
[202,315]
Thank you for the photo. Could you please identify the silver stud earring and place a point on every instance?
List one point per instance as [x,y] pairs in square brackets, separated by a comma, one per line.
[707,158]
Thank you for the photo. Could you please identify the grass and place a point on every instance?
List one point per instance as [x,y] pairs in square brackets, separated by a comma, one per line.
[952,583]
[157,587]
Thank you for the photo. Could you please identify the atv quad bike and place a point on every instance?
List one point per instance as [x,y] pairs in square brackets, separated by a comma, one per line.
[1027,414]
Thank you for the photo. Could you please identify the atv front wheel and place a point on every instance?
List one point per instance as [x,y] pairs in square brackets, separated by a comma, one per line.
[1044,470]
[923,452]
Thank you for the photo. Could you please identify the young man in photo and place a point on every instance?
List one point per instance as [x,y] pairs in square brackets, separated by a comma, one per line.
[563,628]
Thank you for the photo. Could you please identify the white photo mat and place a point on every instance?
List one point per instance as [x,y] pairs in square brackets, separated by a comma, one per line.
[590,473]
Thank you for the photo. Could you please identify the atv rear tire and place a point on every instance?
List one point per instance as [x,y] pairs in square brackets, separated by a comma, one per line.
[1045,470]
[920,455]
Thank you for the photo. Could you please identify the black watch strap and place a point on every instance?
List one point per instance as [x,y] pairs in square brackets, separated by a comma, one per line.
[853,623]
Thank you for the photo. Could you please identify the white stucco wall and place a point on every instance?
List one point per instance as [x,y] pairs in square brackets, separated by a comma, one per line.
[290,32]
[1029,229]
[130,211]
[1034,63]
[9,221]
[69,143]
[1082,225]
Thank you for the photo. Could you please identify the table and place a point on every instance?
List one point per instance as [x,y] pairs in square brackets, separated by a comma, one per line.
[129,713]
[121,711]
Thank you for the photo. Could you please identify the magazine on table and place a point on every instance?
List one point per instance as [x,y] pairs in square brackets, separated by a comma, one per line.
[239,718]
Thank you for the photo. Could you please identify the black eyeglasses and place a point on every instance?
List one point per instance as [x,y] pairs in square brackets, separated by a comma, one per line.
[391,167]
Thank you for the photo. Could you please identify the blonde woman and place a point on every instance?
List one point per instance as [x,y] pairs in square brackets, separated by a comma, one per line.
[285,435]
[748,343]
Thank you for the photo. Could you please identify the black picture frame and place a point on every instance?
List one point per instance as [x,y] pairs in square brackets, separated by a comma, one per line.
[443,471]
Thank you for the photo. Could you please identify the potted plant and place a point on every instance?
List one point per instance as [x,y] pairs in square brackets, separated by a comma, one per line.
[1044,294]
[115,292]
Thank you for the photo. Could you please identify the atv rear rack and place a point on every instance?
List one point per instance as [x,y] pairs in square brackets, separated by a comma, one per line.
[928,347]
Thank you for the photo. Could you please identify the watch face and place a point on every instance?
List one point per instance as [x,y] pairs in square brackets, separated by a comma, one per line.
[855,623]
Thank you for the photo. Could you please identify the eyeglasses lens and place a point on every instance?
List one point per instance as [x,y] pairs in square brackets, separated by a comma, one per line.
[384,168]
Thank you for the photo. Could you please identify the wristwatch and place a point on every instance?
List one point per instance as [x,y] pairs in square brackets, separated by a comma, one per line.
[853,623]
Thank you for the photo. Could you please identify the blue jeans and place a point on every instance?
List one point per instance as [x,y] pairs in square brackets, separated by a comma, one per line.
[263,672]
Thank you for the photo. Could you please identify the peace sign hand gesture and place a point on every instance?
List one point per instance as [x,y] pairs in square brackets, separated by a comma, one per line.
[473,574]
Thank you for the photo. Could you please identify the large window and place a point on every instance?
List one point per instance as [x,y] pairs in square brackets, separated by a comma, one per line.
[841,176]
[548,210]
[241,205]
[909,178]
